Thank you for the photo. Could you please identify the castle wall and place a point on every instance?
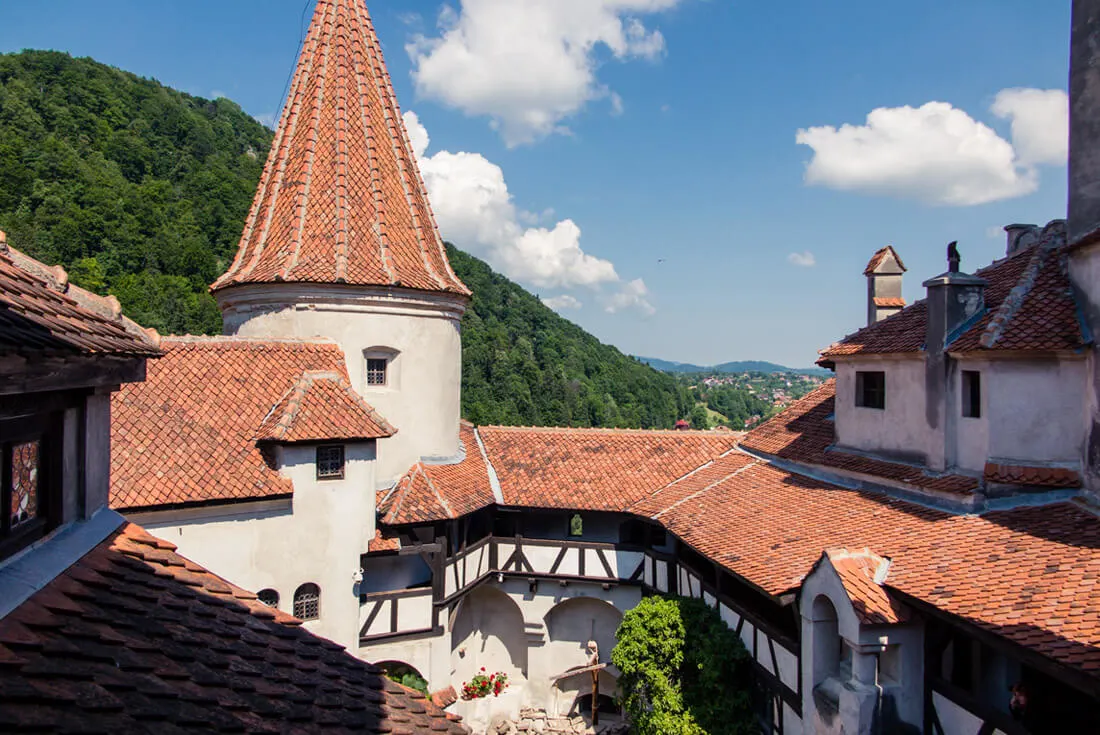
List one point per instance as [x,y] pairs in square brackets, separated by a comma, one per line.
[418,332]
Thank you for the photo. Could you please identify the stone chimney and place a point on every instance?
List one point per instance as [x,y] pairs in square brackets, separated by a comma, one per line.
[954,298]
[1020,236]
[884,272]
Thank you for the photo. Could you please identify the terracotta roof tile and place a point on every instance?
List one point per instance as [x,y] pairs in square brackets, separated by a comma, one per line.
[879,256]
[41,313]
[1012,474]
[594,469]
[438,491]
[1029,306]
[890,302]
[1015,573]
[805,432]
[173,441]
[322,406]
[382,543]
[341,199]
[862,574]
[135,638]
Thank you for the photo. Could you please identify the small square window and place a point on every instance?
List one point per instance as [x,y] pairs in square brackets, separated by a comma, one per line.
[871,389]
[330,463]
[376,371]
[971,394]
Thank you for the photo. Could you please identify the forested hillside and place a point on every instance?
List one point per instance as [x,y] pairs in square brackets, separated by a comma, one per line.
[134,187]
[141,191]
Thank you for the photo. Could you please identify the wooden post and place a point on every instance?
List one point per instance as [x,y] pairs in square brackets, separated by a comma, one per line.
[595,697]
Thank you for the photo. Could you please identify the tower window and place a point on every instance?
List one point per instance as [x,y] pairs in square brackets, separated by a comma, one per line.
[307,602]
[871,389]
[269,597]
[330,462]
[971,394]
[376,370]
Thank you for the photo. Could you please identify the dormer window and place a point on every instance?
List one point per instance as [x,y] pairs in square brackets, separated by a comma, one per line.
[871,389]
[330,462]
[376,371]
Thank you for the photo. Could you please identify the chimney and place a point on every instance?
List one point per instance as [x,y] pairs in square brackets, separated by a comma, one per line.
[884,272]
[954,298]
[1020,236]
[1084,122]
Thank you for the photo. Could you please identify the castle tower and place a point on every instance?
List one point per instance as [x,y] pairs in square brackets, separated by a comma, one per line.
[341,242]
[884,272]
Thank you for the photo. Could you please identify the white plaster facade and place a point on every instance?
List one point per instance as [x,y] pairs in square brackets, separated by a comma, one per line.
[317,536]
[419,331]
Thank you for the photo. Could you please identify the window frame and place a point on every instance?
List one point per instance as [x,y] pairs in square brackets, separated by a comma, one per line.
[385,370]
[273,605]
[304,589]
[44,430]
[343,462]
[970,394]
[865,395]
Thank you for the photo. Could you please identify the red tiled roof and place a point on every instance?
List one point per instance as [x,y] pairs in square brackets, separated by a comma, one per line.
[41,313]
[135,638]
[1029,302]
[594,469]
[890,302]
[188,433]
[436,491]
[1011,474]
[805,432]
[859,572]
[341,199]
[382,543]
[322,406]
[1027,574]
[879,256]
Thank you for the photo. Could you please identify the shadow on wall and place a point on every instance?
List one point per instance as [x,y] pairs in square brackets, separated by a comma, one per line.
[488,632]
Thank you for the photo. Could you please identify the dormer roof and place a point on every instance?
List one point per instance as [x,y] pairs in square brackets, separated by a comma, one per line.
[322,406]
[341,199]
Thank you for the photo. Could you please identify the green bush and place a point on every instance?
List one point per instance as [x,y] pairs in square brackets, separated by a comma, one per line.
[684,672]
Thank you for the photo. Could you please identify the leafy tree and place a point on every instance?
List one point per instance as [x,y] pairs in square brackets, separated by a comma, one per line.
[699,418]
[684,672]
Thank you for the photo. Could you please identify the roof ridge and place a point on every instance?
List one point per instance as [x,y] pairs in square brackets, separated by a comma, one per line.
[712,485]
[1015,298]
[223,339]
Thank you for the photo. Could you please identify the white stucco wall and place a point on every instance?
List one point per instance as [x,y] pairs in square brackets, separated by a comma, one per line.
[316,537]
[902,429]
[422,397]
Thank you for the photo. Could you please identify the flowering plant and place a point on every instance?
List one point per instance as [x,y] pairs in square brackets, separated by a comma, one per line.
[482,685]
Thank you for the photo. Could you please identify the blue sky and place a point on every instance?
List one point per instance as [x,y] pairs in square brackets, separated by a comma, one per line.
[640,157]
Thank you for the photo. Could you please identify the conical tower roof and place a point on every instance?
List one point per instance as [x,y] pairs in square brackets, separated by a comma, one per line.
[341,199]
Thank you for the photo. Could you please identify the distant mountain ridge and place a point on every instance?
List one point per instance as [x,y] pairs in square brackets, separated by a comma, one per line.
[741,366]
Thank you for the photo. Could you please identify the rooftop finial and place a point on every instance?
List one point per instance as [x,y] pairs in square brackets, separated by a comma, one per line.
[953,257]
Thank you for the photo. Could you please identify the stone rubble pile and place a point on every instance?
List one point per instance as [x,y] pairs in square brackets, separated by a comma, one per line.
[537,721]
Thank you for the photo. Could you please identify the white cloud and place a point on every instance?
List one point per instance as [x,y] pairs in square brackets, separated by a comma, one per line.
[632,295]
[475,211]
[935,153]
[563,302]
[530,64]
[1040,123]
[805,259]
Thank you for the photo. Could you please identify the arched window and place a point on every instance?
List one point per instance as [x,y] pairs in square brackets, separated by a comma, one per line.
[269,597]
[307,602]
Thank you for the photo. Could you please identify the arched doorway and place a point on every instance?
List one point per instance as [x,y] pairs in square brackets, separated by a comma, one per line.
[488,633]
[570,625]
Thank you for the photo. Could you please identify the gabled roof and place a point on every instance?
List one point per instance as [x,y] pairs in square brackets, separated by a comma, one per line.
[437,491]
[322,406]
[1029,307]
[341,199]
[136,638]
[880,257]
[863,573]
[42,314]
[188,433]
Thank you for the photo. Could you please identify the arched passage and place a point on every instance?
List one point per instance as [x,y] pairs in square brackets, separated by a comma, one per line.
[405,674]
[488,632]
[570,625]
